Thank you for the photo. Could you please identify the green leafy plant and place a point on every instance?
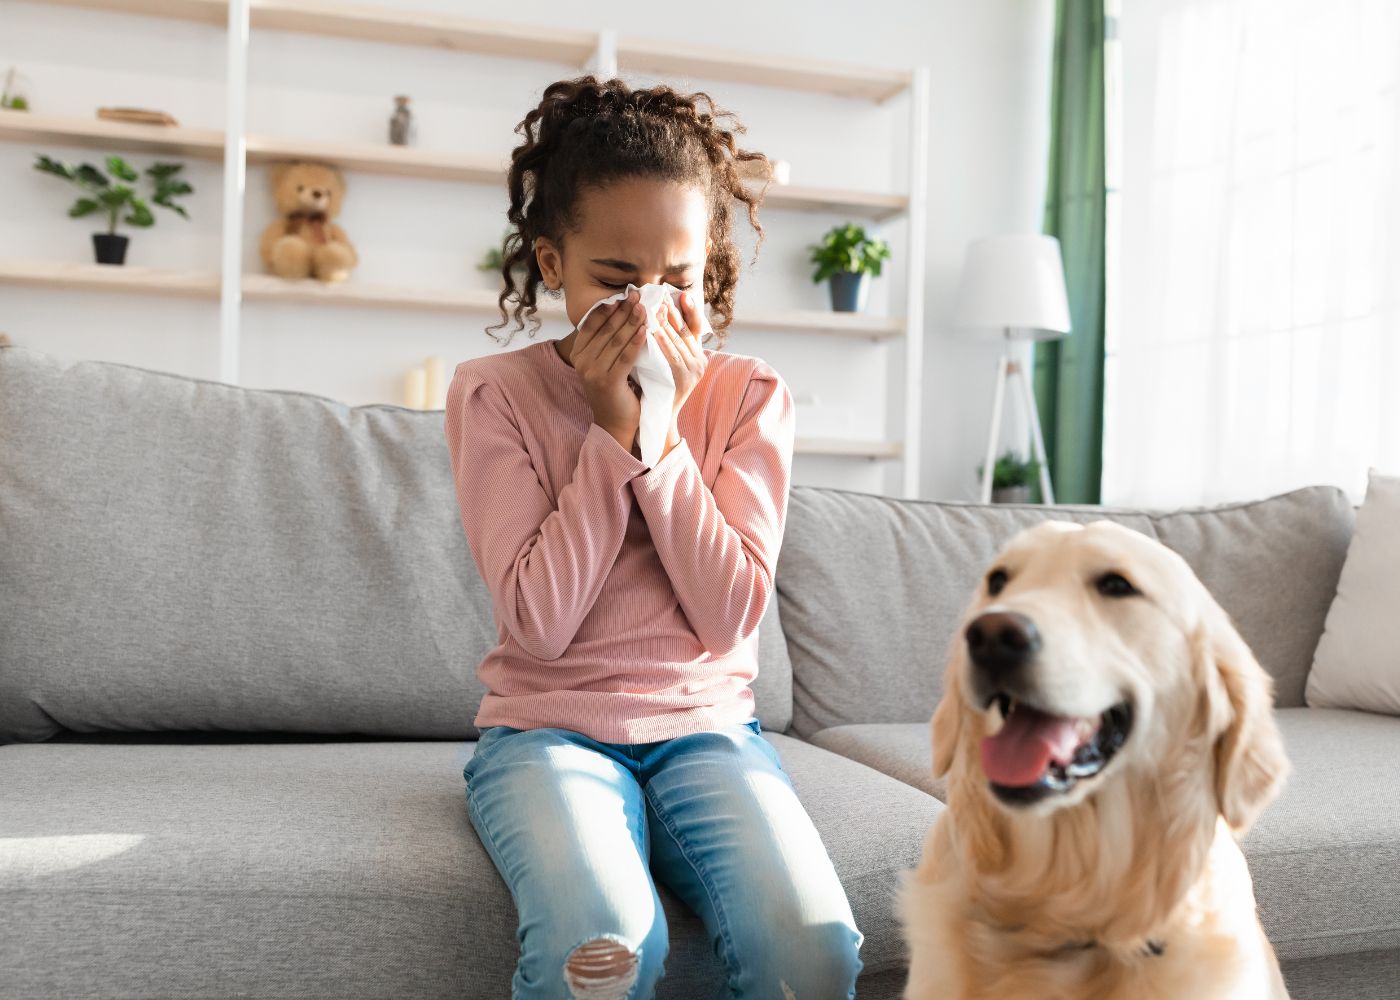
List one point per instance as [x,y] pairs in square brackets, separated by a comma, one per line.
[11,97]
[848,248]
[1010,471]
[492,261]
[115,194]
[494,258]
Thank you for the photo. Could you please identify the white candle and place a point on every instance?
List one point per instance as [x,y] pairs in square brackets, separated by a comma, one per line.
[415,383]
[435,392]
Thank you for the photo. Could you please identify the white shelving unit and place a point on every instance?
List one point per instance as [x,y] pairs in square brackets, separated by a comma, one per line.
[604,51]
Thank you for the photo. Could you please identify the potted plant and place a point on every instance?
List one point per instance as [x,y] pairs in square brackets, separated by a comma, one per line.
[112,197]
[849,258]
[12,94]
[1012,478]
[494,258]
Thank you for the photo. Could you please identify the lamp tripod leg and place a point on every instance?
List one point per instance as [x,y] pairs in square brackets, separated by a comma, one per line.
[996,429]
[1038,439]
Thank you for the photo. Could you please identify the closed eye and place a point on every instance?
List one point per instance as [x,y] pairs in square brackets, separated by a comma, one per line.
[620,287]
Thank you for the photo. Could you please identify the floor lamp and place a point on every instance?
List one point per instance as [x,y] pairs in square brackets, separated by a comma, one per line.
[1014,285]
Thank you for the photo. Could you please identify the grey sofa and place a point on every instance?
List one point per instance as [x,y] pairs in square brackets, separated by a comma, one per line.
[238,639]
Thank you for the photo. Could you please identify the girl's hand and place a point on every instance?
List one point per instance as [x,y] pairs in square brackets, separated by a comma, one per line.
[607,347]
[680,342]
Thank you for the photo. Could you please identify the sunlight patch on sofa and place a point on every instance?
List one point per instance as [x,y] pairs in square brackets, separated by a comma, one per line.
[50,855]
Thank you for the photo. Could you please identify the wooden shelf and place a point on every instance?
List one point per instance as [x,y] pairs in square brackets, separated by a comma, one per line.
[270,288]
[405,161]
[495,38]
[866,204]
[208,144]
[110,278]
[203,11]
[847,448]
[667,59]
[375,24]
[819,321]
[440,31]
[101,134]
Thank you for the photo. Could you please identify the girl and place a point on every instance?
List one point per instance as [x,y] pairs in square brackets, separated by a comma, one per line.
[617,733]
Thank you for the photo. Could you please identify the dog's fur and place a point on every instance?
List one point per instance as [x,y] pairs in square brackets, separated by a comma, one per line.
[1070,898]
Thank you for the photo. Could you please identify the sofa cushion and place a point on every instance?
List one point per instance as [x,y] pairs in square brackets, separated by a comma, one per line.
[772,688]
[903,750]
[1273,564]
[316,868]
[1325,855]
[182,554]
[1357,664]
[872,587]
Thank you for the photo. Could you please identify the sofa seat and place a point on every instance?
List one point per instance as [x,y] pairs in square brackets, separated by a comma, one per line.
[903,750]
[1325,855]
[194,867]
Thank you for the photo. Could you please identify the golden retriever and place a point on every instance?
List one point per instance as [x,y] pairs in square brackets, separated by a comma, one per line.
[1107,735]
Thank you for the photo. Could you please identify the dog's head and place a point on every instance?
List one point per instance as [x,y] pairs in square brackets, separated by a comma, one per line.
[1091,655]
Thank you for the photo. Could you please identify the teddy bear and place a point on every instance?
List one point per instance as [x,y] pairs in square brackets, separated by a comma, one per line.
[305,242]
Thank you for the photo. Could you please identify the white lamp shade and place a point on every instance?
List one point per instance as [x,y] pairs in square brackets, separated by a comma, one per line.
[1014,283]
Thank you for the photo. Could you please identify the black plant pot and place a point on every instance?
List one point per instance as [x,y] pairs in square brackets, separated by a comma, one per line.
[110,249]
[848,291]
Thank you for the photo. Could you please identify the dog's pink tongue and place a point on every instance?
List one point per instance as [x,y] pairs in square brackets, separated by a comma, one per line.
[1026,743]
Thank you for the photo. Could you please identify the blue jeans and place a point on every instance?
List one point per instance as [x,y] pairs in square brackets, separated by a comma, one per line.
[574,824]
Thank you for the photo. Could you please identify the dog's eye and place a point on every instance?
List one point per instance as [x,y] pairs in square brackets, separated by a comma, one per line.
[996,580]
[1113,585]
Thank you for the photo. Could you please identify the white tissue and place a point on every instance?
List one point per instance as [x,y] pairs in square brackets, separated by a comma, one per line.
[652,370]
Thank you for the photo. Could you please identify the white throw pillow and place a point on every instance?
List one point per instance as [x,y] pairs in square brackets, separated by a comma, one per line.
[1357,663]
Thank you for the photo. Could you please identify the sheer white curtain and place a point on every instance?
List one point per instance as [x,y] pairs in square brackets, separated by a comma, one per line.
[1253,336]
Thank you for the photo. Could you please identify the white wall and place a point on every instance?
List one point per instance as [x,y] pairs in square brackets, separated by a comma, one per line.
[989,71]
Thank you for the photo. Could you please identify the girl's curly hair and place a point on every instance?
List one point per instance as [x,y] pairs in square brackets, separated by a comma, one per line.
[588,132]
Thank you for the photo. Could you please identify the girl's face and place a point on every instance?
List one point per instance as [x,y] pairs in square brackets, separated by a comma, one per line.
[636,230]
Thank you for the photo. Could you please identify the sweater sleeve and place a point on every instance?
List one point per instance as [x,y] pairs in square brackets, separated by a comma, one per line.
[544,566]
[720,547]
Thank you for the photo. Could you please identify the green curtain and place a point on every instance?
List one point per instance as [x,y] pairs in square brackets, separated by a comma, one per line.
[1069,372]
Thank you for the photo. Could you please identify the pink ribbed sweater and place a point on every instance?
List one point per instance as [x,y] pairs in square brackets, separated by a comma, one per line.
[627,596]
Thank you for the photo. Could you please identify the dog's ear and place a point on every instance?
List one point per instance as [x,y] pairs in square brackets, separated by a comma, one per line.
[947,718]
[1250,764]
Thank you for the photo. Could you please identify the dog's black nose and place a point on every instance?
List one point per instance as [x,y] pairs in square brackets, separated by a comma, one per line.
[1001,641]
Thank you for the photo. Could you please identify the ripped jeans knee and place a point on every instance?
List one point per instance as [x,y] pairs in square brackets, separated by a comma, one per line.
[602,968]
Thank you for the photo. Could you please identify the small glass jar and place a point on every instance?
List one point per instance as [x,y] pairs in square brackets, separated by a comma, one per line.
[401,131]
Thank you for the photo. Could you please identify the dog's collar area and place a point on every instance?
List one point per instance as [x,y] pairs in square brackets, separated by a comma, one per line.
[1078,945]
[1150,949]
